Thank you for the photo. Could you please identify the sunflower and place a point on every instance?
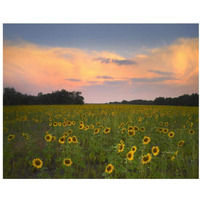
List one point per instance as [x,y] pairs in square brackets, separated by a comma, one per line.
[120,147]
[59,123]
[181,143]
[109,168]
[37,163]
[122,124]
[146,140]
[122,141]
[136,128]
[69,123]
[130,128]
[96,131]
[165,130]
[70,131]
[55,124]
[160,130]
[74,139]
[98,123]
[81,122]
[142,129]
[65,134]
[81,126]
[191,132]
[146,159]
[155,150]
[53,138]
[67,162]
[130,155]
[61,140]
[171,134]
[73,123]
[48,137]
[25,136]
[134,149]
[131,132]
[11,137]
[50,124]
[64,124]
[166,123]
[69,140]
[123,130]
[92,126]
[107,130]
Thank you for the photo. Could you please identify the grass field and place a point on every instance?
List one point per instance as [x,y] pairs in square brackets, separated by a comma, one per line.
[100,141]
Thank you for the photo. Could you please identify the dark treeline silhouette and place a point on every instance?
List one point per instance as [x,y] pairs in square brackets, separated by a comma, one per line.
[184,100]
[12,97]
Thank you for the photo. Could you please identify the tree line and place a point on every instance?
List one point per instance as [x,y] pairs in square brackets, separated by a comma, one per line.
[184,100]
[12,97]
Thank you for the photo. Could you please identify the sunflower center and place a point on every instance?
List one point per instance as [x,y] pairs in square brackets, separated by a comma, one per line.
[67,162]
[129,155]
[145,139]
[155,150]
[109,168]
[145,158]
[37,162]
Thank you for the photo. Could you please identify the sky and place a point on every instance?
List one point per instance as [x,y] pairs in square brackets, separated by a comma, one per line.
[106,62]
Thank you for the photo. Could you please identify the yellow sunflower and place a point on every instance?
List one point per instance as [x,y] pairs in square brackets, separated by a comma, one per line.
[74,139]
[37,163]
[155,150]
[181,143]
[130,128]
[171,134]
[48,137]
[120,147]
[11,137]
[69,140]
[69,123]
[73,123]
[166,123]
[107,130]
[146,140]
[142,129]
[136,128]
[70,131]
[134,149]
[96,131]
[109,168]
[61,140]
[65,134]
[130,155]
[92,126]
[146,159]
[131,132]
[123,130]
[191,132]
[67,162]
[81,126]
[53,138]
[25,136]
[165,130]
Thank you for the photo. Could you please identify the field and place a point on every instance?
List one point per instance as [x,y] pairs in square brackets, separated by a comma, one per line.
[100,141]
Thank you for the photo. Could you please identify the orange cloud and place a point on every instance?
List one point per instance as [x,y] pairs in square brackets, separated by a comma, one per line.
[51,68]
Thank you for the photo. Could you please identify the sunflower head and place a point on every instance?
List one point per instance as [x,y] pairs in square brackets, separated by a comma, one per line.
[181,143]
[53,138]
[107,130]
[37,163]
[67,162]
[120,147]
[81,126]
[136,128]
[155,150]
[11,137]
[74,139]
[134,149]
[48,137]
[131,132]
[109,168]
[171,134]
[70,131]
[146,159]
[130,155]
[123,130]
[96,131]
[142,129]
[165,130]
[61,140]
[69,140]
[146,140]
[130,128]
[191,132]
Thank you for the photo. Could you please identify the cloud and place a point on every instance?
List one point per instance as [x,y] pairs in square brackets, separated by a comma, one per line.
[105,77]
[73,79]
[161,72]
[33,68]
[153,80]
[116,61]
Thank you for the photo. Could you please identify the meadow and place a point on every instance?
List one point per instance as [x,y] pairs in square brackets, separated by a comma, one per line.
[100,141]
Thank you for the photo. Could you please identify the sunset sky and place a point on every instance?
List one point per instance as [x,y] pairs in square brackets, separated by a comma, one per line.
[106,62]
